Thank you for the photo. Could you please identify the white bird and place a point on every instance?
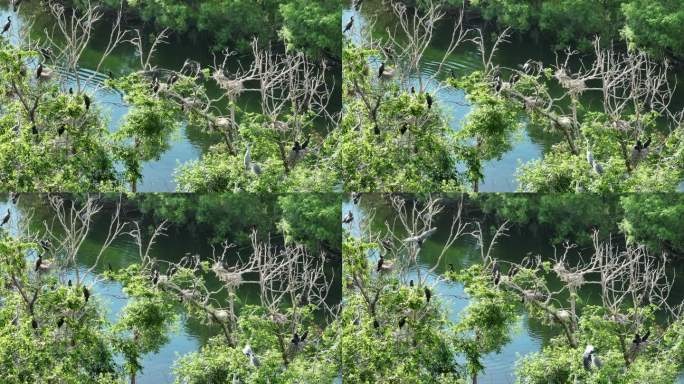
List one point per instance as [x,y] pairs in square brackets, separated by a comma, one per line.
[247,350]
[598,168]
[589,358]
[249,165]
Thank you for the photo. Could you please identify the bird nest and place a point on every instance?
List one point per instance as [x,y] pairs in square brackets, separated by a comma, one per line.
[233,279]
[232,87]
[572,279]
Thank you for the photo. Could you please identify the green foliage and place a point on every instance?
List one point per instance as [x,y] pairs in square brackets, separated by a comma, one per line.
[654,220]
[374,155]
[33,155]
[309,27]
[656,25]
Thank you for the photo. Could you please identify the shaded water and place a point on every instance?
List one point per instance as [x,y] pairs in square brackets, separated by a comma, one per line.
[189,334]
[530,335]
[529,144]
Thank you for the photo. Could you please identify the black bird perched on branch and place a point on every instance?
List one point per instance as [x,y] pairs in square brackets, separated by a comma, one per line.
[295,339]
[34,324]
[376,325]
[60,322]
[498,84]
[60,130]
[7,26]
[376,129]
[45,244]
[39,71]
[39,261]
[34,129]
[413,90]
[402,321]
[641,339]
[349,25]
[69,283]
[381,70]
[356,197]
[411,283]
[513,271]
[403,129]
[496,273]
[348,218]
[514,79]
[6,218]
[428,99]
[86,293]
[86,101]
[428,294]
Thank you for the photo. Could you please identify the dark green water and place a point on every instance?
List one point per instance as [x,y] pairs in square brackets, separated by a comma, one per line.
[530,144]
[530,335]
[189,334]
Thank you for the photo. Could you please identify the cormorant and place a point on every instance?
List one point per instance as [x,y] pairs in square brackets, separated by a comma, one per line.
[86,293]
[34,129]
[381,70]
[295,339]
[411,283]
[7,25]
[34,324]
[356,197]
[402,321]
[428,99]
[61,130]
[39,261]
[428,294]
[86,101]
[513,271]
[60,322]
[403,129]
[413,90]
[6,218]
[45,244]
[39,71]
[376,325]
[69,283]
[71,90]
[348,218]
[349,25]
[376,130]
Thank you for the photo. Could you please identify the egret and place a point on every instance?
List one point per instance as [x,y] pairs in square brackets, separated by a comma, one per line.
[589,358]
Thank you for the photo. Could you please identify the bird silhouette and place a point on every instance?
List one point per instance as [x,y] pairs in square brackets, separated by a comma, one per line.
[428,294]
[6,218]
[86,293]
[7,25]
[349,25]
[348,218]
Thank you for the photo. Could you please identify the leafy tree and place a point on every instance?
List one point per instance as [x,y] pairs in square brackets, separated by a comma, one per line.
[655,25]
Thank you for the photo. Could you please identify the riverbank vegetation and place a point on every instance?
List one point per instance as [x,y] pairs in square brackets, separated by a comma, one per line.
[619,130]
[53,311]
[56,135]
[605,306]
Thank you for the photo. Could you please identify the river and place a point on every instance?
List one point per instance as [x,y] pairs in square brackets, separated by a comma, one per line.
[530,144]
[529,334]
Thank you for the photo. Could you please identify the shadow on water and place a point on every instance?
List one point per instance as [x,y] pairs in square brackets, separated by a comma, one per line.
[530,334]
